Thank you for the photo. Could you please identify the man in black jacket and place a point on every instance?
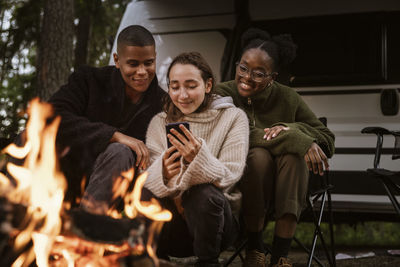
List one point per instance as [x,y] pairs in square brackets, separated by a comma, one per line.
[105,113]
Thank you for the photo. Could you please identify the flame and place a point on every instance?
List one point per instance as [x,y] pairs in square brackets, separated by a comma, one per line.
[133,205]
[40,187]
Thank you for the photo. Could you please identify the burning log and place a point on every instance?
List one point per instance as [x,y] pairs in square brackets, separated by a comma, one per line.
[11,215]
[87,238]
[41,229]
[100,228]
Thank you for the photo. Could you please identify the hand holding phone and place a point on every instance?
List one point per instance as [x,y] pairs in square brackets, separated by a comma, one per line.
[183,140]
[171,163]
[175,126]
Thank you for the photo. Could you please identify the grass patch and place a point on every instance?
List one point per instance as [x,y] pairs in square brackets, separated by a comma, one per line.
[381,234]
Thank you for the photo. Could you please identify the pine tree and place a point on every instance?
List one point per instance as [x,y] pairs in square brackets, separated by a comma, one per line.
[56,46]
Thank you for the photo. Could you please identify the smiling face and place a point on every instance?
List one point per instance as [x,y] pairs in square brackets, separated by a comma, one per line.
[187,88]
[138,67]
[255,60]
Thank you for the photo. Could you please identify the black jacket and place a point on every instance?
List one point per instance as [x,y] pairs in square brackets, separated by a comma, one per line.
[91,107]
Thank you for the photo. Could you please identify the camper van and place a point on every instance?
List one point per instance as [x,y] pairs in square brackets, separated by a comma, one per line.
[347,69]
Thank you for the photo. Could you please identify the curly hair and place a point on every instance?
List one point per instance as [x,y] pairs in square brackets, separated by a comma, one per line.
[280,48]
[195,59]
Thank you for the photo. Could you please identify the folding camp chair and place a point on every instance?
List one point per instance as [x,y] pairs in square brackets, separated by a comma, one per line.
[389,179]
[319,195]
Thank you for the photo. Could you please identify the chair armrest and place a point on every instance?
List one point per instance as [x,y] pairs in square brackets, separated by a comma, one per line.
[380,132]
[375,130]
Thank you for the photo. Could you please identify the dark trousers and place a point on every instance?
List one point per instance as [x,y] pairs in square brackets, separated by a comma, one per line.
[116,158]
[206,227]
[272,185]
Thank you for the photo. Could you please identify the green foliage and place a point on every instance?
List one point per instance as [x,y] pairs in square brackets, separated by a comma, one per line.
[107,16]
[13,100]
[369,234]
[19,33]
[384,234]
[20,22]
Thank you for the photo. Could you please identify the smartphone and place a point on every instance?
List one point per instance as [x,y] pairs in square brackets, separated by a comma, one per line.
[175,125]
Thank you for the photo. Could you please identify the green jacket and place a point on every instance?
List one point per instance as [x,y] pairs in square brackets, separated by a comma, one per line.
[281,105]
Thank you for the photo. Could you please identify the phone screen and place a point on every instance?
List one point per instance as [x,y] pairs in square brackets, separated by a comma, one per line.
[175,126]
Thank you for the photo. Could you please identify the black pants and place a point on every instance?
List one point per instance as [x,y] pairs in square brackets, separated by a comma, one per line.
[115,159]
[206,228]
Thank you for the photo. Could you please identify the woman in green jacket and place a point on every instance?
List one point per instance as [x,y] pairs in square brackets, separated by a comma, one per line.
[286,142]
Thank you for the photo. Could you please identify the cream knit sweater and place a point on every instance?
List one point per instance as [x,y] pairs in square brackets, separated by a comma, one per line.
[224,134]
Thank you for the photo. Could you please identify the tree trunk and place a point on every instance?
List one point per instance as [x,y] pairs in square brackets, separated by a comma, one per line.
[85,11]
[56,46]
[3,49]
[82,40]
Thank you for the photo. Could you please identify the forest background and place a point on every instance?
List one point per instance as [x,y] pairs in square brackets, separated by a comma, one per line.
[42,42]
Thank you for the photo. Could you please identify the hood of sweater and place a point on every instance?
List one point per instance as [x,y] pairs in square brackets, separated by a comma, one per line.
[219,104]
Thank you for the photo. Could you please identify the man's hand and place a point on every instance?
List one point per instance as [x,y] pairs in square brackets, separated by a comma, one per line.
[170,166]
[187,146]
[142,153]
[316,159]
[274,131]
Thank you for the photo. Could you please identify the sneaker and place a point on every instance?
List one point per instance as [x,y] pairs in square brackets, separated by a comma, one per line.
[254,258]
[283,262]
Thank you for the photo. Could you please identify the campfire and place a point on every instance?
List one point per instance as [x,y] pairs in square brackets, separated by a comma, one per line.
[49,231]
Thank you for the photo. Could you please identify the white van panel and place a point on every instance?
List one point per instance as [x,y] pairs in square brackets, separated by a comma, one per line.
[191,24]
[210,44]
[362,203]
[357,162]
[347,115]
[357,140]
[350,113]
[178,16]
[178,8]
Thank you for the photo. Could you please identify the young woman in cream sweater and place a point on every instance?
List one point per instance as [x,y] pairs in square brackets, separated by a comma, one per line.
[198,187]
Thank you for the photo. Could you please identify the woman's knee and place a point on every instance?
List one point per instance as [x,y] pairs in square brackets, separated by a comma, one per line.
[202,199]
[292,161]
[259,157]
[260,166]
[292,179]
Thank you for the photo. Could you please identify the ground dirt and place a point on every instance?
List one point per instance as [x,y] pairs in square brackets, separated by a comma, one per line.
[299,259]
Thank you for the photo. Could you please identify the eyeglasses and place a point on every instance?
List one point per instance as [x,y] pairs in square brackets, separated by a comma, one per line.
[255,75]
